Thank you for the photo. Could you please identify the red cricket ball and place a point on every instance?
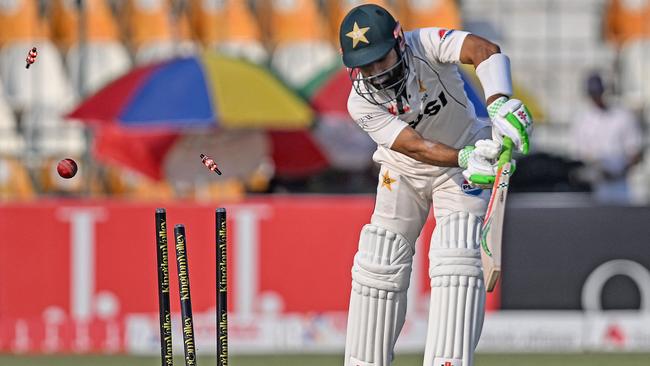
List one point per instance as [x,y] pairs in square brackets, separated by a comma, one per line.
[67,168]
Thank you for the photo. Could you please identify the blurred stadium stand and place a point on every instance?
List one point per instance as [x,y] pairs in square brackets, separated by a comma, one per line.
[15,183]
[12,142]
[103,55]
[552,44]
[155,30]
[299,36]
[228,26]
[427,13]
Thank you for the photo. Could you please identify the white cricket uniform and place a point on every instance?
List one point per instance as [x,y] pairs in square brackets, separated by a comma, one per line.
[438,108]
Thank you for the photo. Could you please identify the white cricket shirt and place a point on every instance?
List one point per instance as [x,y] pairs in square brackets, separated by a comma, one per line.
[436,106]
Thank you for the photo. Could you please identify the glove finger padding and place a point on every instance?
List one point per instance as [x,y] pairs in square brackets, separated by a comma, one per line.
[514,121]
[481,165]
[488,149]
[504,126]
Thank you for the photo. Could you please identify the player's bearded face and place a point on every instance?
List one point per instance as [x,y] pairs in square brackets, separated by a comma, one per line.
[386,73]
[388,79]
[382,81]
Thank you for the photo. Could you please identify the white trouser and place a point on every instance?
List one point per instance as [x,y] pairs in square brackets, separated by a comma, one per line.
[380,278]
[457,291]
[382,266]
[457,301]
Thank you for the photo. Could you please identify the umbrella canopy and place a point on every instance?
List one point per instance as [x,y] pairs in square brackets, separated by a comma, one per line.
[161,154]
[142,116]
[208,91]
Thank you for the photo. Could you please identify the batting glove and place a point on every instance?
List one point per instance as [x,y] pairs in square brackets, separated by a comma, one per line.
[510,118]
[480,162]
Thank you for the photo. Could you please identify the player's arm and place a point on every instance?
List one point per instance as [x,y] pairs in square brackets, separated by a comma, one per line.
[478,162]
[474,51]
[510,117]
[410,143]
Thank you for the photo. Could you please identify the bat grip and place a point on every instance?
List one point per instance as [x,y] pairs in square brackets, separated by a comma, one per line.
[506,153]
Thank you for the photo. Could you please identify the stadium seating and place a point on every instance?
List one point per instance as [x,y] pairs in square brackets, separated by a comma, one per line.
[44,84]
[102,63]
[228,26]
[99,26]
[21,28]
[336,10]
[627,20]
[551,44]
[635,74]
[103,53]
[15,183]
[20,21]
[11,142]
[299,34]
[153,31]
[627,26]
[51,135]
[429,13]
[123,183]
[228,190]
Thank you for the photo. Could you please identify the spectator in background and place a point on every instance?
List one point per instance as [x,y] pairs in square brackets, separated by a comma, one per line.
[609,141]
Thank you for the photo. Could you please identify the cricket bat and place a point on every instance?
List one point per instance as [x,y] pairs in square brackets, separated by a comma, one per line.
[492,229]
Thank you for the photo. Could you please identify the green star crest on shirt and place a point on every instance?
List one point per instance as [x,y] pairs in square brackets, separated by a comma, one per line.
[358,35]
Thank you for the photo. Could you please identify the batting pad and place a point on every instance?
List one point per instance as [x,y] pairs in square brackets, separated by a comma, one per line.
[457,291]
[380,278]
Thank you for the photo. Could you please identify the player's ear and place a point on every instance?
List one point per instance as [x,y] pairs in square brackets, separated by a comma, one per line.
[398,33]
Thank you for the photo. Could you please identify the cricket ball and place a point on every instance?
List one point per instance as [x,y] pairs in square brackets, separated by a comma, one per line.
[67,168]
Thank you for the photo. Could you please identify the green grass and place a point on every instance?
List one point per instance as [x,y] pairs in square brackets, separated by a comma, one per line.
[615,359]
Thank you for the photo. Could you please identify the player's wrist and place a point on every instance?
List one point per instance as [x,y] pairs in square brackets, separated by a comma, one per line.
[495,105]
[493,98]
[463,156]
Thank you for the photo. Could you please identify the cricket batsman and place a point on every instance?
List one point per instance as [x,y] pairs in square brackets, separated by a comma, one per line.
[408,95]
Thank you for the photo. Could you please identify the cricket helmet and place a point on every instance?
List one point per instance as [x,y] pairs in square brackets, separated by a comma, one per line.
[367,34]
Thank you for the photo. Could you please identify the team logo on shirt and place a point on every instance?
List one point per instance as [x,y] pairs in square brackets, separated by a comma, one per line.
[444,33]
[387,181]
[421,85]
[430,109]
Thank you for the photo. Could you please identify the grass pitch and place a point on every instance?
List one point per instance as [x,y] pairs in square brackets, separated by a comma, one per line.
[617,359]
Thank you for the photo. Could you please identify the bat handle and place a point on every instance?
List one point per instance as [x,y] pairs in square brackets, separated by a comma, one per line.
[506,153]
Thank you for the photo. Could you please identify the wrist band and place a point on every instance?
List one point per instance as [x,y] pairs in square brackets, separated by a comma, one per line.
[494,74]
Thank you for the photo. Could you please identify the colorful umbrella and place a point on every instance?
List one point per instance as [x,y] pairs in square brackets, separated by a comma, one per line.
[153,106]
